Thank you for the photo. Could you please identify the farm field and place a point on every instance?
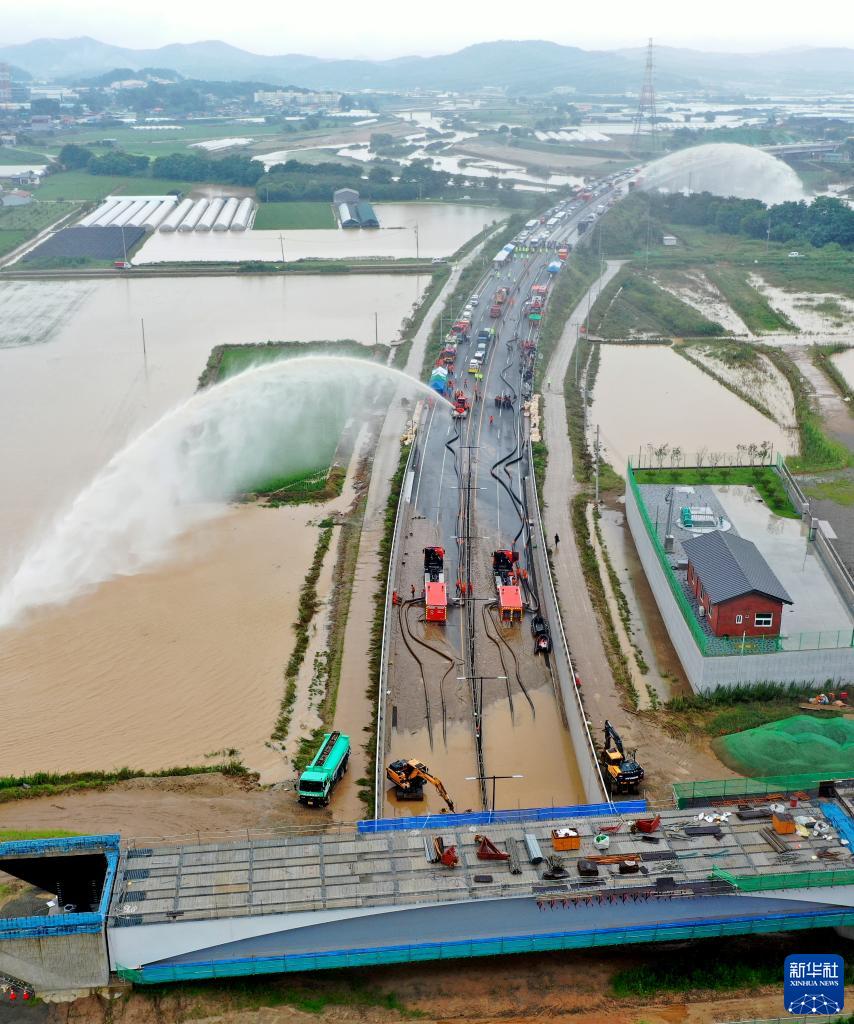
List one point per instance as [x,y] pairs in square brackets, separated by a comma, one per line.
[18,223]
[271,216]
[80,185]
[12,156]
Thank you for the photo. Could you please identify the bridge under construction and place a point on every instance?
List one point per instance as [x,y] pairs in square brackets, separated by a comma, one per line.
[736,857]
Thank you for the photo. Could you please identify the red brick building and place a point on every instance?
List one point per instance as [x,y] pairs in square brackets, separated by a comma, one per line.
[738,591]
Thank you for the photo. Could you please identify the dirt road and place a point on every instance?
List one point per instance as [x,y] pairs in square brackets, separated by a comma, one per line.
[667,760]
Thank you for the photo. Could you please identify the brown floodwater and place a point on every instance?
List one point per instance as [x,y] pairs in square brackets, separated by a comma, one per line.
[74,385]
[163,667]
[406,230]
[647,394]
[845,362]
[534,744]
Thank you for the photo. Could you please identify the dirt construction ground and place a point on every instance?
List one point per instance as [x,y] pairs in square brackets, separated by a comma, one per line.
[560,987]
[178,806]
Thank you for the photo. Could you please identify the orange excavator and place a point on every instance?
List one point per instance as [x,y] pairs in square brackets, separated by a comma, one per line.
[409,778]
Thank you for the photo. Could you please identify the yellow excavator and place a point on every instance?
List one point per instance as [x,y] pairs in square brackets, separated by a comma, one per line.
[409,777]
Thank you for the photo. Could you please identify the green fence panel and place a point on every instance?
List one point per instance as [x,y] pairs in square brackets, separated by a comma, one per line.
[711,789]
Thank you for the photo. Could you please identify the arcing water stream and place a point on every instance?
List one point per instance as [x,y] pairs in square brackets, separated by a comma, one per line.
[276,420]
[726,169]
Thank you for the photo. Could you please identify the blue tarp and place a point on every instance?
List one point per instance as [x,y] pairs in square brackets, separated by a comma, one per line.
[502,817]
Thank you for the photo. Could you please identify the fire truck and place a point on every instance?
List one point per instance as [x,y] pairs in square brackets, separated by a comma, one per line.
[435,590]
[507,585]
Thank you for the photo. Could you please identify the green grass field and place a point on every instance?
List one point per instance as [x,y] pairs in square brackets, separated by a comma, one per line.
[12,835]
[80,185]
[763,478]
[156,143]
[11,156]
[750,304]
[281,216]
[18,223]
[632,302]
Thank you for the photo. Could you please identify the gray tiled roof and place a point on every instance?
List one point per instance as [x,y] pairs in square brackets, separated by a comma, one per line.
[729,566]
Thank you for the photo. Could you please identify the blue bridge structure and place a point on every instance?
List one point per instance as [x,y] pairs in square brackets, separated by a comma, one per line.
[374,892]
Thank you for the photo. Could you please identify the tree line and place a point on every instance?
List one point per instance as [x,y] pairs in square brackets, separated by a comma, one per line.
[226,170]
[824,221]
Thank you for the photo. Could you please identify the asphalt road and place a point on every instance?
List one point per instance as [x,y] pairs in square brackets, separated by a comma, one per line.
[482,463]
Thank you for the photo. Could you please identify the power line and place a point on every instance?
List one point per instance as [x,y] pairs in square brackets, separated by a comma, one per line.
[646,106]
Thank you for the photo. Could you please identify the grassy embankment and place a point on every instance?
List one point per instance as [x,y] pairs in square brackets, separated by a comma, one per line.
[632,304]
[20,223]
[366,792]
[734,708]
[11,156]
[723,965]
[83,186]
[309,603]
[294,216]
[317,483]
[763,478]
[24,787]
[14,835]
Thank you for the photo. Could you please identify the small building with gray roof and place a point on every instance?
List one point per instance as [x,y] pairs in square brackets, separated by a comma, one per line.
[736,590]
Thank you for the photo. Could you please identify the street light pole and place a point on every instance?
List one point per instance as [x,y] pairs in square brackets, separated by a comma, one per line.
[494,778]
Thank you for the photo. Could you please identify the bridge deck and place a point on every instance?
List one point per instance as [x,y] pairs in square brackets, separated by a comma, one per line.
[289,874]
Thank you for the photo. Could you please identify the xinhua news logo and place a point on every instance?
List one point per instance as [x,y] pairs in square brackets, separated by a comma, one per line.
[814,983]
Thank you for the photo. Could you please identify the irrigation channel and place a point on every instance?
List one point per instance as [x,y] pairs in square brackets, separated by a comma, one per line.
[470,697]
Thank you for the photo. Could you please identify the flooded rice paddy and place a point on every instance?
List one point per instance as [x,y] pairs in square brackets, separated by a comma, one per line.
[161,667]
[75,386]
[407,231]
[845,362]
[648,395]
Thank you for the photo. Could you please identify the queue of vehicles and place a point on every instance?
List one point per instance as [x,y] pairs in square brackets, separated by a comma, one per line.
[408,777]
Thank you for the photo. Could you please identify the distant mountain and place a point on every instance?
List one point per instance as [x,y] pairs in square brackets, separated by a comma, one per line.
[801,69]
[521,66]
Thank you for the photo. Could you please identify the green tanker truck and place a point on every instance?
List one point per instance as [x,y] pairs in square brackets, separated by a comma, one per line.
[328,765]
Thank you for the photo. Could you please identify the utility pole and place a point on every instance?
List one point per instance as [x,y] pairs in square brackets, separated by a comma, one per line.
[144,353]
[646,105]
[376,329]
[596,464]
[417,253]
[282,244]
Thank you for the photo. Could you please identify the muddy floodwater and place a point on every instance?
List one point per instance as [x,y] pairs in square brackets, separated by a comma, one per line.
[165,666]
[647,394]
[512,745]
[407,230]
[845,362]
[162,668]
[74,385]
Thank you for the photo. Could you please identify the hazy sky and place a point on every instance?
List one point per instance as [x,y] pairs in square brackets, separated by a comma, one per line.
[386,28]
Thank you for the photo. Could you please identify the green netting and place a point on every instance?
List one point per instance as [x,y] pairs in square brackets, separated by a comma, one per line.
[789,880]
[716,789]
[803,743]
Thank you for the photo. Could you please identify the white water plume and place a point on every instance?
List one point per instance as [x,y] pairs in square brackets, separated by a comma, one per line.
[274,421]
[725,169]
